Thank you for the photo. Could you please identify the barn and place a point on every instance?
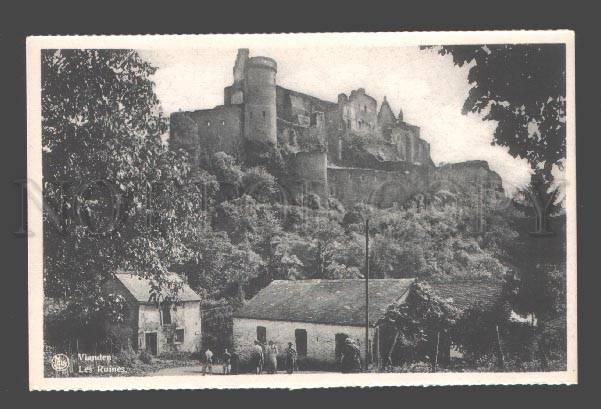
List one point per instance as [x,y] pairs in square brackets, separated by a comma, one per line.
[316,315]
[156,327]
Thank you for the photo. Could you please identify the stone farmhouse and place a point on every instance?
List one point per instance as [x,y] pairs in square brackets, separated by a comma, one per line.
[156,325]
[318,315]
[346,149]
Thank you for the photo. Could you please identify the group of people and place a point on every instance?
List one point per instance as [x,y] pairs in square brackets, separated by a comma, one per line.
[208,362]
[266,357]
[263,357]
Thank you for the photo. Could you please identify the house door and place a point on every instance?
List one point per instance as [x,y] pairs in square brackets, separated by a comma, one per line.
[339,338]
[151,343]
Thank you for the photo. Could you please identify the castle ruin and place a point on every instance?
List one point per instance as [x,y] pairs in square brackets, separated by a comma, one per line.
[346,149]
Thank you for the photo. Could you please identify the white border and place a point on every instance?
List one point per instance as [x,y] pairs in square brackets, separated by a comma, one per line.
[34,174]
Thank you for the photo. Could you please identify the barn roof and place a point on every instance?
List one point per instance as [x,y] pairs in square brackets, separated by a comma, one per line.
[338,302]
[468,293]
[141,288]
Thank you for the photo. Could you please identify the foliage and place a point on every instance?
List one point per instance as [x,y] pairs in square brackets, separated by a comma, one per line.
[217,326]
[145,357]
[522,88]
[260,184]
[118,197]
[540,291]
[539,199]
[86,324]
[475,332]
[421,318]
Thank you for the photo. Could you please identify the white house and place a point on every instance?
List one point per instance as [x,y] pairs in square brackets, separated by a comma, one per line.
[157,328]
[316,315]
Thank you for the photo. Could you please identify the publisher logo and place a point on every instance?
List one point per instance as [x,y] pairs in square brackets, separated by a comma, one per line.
[60,362]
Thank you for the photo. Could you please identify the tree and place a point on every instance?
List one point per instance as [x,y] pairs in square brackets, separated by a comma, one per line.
[117,197]
[420,320]
[522,87]
[260,184]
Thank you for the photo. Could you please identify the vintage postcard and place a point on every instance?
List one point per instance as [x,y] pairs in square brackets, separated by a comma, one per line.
[301,210]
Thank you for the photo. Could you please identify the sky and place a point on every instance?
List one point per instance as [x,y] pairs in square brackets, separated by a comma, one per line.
[426,86]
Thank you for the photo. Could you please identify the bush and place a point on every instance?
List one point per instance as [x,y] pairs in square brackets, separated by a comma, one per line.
[414,367]
[176,355]
[126,358]
[312,364]
[313,201]
[145,357]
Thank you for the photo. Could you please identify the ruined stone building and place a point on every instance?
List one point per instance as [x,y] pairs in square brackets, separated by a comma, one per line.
[347,149]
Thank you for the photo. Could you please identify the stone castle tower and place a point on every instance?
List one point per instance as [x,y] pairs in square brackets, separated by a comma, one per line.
[255,87]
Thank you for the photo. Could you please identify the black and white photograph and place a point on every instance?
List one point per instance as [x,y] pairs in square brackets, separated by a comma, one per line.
[301,210]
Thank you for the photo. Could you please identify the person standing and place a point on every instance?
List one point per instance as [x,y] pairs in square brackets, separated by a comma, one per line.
[227,358]
[258,358]
[290,358]
[272,358]
[351,357]
[208,362]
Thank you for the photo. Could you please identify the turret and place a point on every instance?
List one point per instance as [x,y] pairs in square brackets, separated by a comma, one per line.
[386,117]
[260,114]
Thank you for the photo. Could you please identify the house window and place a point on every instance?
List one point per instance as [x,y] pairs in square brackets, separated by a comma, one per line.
[179,336]
[222,122]
[262,334]
[300,335]
[166,313]
[348,123]
[208,123]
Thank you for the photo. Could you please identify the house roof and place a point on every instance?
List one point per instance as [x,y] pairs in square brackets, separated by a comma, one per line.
[338,302]
[141,287]
[468,293]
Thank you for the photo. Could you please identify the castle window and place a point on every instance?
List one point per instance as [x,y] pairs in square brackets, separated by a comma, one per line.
[348,123]
[263,114]
[364,108]
[222,122]
[208,123]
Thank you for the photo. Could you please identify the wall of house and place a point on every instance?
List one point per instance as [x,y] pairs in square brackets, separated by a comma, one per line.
[185,315]
[126,331]
[321,342]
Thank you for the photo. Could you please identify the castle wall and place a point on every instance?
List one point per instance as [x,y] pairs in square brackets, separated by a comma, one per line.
[202,133]
[377,187]
[471,178]
[407,139]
